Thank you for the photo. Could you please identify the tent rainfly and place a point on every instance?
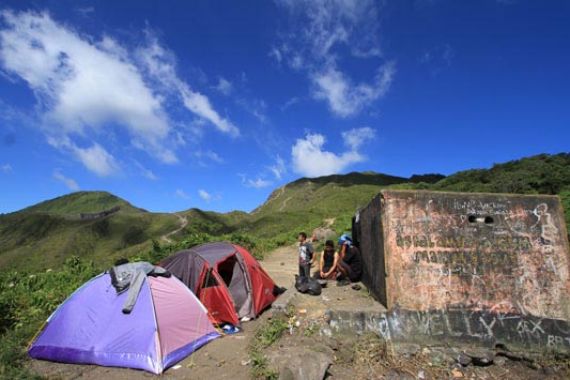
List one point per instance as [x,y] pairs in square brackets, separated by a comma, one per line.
[167,324]
[227,279]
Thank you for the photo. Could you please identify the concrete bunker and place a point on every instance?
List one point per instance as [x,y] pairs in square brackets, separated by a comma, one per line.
[483,269]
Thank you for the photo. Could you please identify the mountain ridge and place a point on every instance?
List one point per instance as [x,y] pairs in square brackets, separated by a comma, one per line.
[45,234]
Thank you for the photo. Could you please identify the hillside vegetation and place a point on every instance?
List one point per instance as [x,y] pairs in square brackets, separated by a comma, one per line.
[44,235]
[35,238]
[301,205]
[82,202]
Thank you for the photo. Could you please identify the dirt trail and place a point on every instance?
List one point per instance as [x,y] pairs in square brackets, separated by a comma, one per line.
[183,223]
[223,358]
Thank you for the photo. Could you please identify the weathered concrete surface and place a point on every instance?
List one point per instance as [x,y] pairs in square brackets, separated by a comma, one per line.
[485,268]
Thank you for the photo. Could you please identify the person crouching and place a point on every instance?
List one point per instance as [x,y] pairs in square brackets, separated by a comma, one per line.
[328,262]
[350,263]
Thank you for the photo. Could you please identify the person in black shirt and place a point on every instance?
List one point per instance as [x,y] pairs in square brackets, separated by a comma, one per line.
[328,262]
[350,265]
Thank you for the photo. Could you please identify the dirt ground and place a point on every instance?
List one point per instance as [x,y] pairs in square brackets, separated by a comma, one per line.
[354,357]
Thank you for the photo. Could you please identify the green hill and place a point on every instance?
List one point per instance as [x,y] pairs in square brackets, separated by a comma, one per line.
[46,234]
[542,174]
[92,225]
[307,203]
[82,202]
[300,205]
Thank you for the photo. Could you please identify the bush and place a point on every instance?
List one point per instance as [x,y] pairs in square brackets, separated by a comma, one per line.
[268,333]
[134,235]
[26,300]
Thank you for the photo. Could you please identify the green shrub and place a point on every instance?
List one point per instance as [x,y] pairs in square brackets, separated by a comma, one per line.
[26,300]
[266,334]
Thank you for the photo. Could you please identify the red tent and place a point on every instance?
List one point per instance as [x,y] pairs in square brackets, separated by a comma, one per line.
[226,278]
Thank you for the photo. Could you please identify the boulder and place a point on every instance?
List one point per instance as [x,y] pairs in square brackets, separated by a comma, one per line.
[302,364]
[481,356]
[323,234]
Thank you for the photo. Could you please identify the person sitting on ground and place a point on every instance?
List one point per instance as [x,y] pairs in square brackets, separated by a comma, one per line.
[350,263]
[328,262]
[305,255]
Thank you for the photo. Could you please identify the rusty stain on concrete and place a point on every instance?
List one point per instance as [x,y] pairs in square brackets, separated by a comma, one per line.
[494,265]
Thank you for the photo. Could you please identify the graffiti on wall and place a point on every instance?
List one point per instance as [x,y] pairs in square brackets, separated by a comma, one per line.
[515,331]
[505,255]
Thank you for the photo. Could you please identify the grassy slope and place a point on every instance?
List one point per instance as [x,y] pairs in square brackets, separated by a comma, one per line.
[44,235]
[300,205]
[81,202]
[304,204]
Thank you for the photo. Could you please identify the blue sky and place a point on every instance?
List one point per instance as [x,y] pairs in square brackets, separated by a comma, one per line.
[214,104]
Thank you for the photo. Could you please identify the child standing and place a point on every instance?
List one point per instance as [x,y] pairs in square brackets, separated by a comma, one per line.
[306,252]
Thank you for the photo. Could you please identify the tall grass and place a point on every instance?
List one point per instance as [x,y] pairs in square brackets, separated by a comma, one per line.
[26,300]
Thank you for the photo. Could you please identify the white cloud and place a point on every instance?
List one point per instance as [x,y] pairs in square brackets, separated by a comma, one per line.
[224,86]
[97,159]
[438,58]
[276,54]
[6,168]
[147,173]
[355,137]
[279,168]
[257,183]
[205,195]
[69,182]
[200,105]
[319,33]
[294,100]
[345,98]
[310,160]
[161,65]
[182,194]
[208,155]
[322,25]
[88,87]
[94,158]
[85,11]
[83,85]
[256,107]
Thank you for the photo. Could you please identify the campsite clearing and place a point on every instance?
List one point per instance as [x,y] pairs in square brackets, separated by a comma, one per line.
[352,356]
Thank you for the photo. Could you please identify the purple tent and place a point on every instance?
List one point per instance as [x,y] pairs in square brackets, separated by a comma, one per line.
[167,324]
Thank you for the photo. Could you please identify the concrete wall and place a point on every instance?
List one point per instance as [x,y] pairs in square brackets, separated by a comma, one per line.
[487,268]
[368,235]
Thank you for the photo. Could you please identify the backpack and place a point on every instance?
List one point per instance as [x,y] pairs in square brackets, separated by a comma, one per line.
[307,285]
